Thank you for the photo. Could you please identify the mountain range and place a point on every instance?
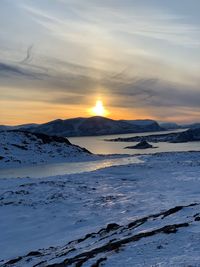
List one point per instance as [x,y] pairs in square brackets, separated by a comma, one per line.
[94,126]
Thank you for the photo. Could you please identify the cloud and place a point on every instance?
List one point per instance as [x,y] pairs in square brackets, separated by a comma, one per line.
[11,70]
[149,22]
[68,83]
[137,54]
[14,74]
[28,57]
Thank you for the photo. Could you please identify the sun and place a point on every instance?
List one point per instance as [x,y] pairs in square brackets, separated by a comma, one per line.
[98,109]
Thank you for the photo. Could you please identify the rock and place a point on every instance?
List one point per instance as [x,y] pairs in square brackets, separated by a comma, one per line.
[197,219]
[112,226]
[141,145]
[99,261]
[13,261]
[34,253]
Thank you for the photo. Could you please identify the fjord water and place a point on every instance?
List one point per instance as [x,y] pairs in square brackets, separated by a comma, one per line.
[98,145]
[46,170]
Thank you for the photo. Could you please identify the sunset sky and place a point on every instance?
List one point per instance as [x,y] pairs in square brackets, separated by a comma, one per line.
[141,58]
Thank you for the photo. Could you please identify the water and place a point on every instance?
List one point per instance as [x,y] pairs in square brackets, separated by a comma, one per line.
[52,169]
[97,145]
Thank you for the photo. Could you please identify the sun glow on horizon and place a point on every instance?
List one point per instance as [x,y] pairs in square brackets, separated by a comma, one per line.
[98,109]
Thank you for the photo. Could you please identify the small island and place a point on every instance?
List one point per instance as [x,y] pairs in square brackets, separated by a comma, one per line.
[141,145]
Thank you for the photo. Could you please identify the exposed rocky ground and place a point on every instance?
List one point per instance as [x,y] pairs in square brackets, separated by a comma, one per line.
[109,242]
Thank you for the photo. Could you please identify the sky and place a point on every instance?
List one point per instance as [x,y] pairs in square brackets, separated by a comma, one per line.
[141,58]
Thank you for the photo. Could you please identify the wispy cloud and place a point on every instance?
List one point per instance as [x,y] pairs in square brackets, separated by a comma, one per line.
[28,57]
[147,22]
[9,70]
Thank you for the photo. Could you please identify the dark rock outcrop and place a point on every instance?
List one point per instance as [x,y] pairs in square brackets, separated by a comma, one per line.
[142,145]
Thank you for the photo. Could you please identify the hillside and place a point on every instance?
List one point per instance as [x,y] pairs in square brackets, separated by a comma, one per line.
[22,148]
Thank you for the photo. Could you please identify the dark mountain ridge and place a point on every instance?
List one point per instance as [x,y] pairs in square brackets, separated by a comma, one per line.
[94,126]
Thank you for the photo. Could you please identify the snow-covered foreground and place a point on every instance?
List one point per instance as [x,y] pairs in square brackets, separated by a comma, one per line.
[145,214]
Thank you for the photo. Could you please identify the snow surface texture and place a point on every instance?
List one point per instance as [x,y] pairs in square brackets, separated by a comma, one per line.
[23,148]
[146,214]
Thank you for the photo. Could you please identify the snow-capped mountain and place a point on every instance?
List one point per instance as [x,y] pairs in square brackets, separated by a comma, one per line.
[18,148]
